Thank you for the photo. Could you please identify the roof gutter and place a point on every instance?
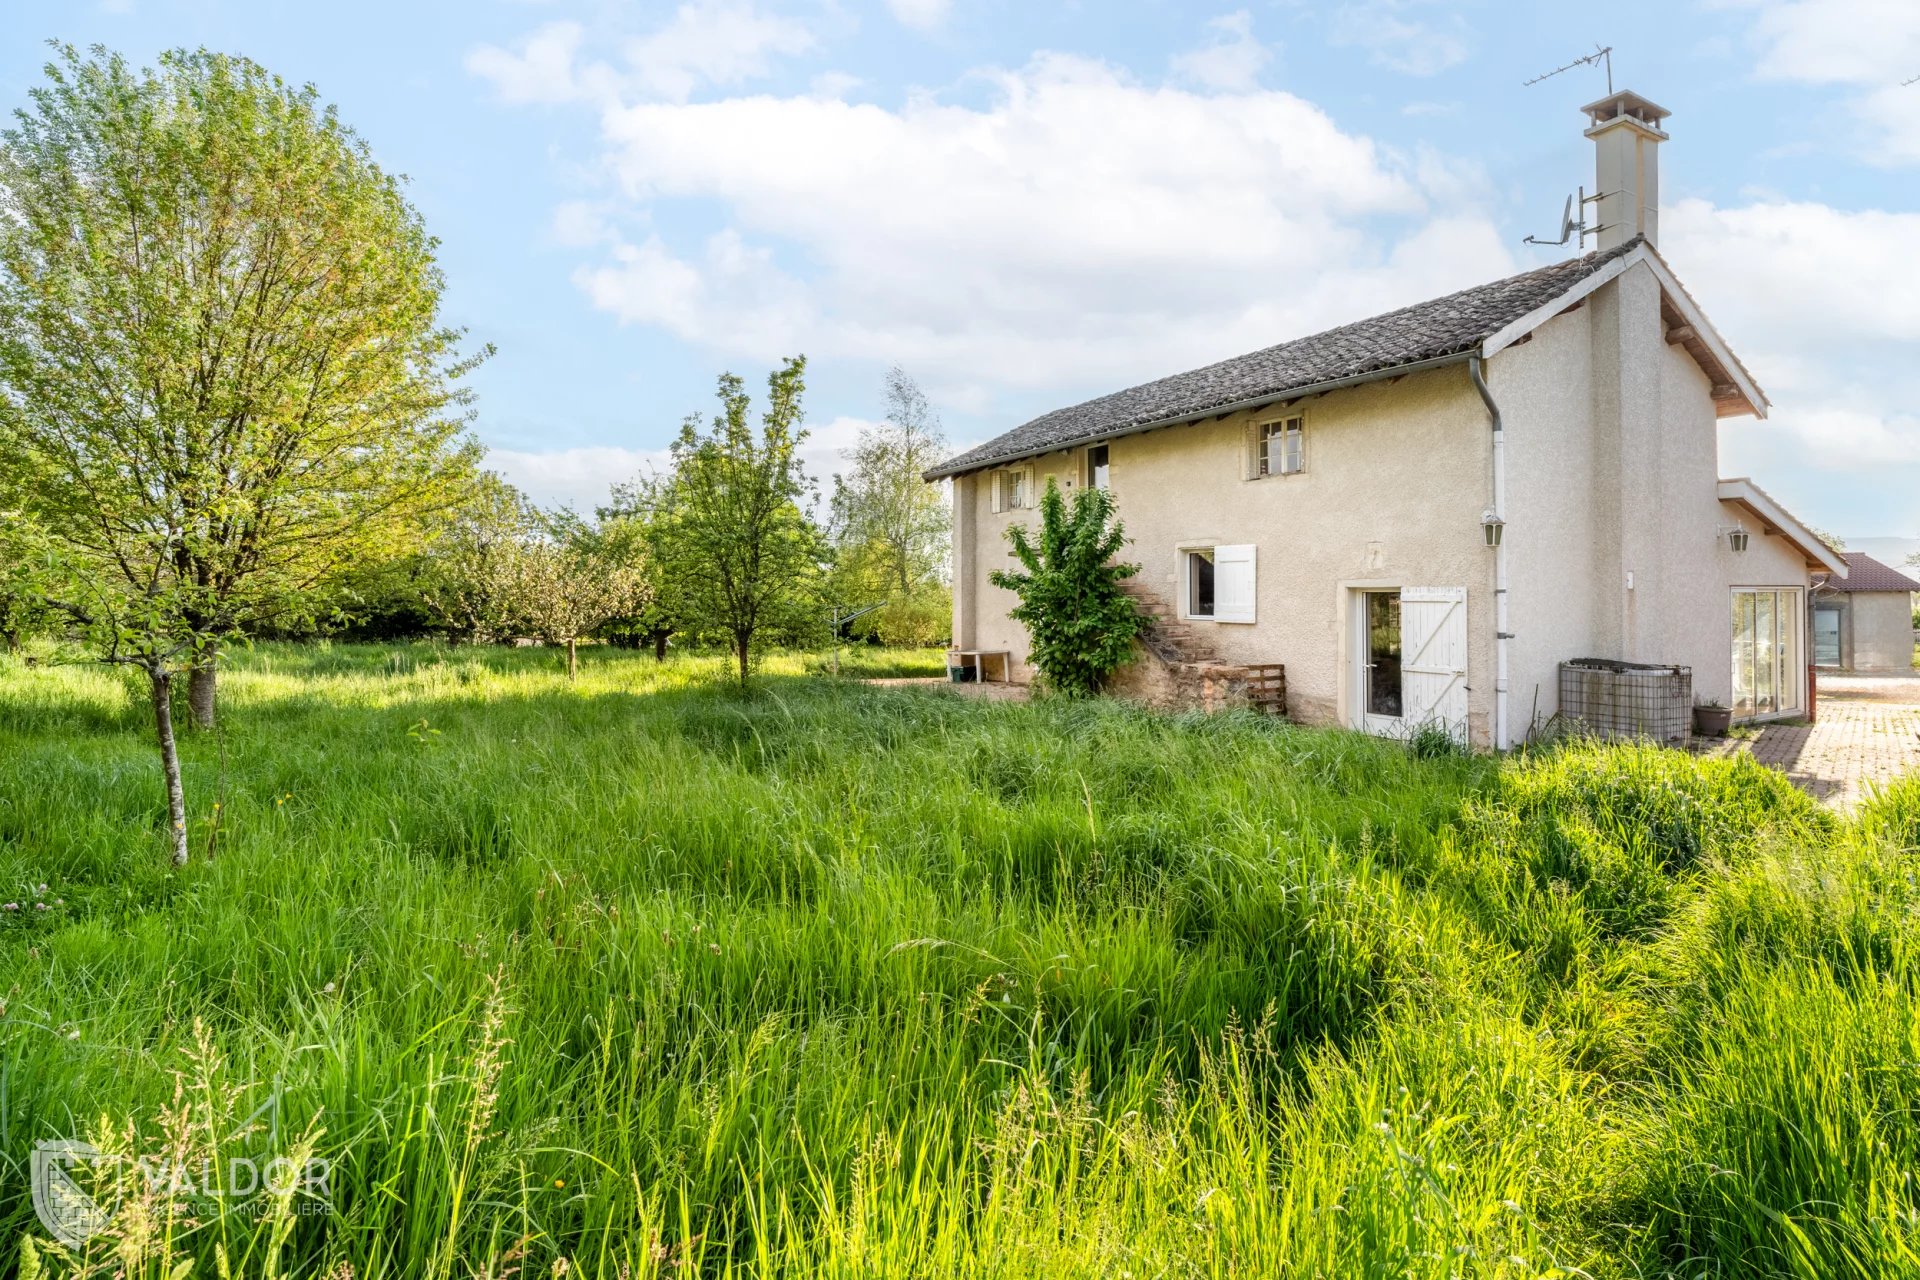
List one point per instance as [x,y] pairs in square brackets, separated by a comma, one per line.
[1217,411]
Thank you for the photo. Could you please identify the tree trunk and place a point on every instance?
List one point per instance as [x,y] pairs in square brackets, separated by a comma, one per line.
[170,763]
[660,645]
[202,681]
[573,660]
[740,643]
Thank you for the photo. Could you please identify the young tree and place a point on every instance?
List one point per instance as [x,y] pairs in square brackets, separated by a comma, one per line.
[222,371]
[736,547]
[891,529]
[1082,624]
[573,578]
[883,508]
[657,617]
[467,572]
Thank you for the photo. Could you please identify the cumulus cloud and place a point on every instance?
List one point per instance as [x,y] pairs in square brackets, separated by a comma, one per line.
[1804,294]
[1078,228]
[581,477]
[539,69]
[1871,46]
[721,43]
[1834,41]
[1231,59]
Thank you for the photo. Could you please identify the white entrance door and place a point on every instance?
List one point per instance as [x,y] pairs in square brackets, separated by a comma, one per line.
[1410,668]
[1434,671]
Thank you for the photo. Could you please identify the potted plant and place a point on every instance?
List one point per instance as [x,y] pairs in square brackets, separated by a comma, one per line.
[1711,719]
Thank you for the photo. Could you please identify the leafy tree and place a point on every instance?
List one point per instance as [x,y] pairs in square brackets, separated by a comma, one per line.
[738,553]
[222,371]
[466,574]
[883,508]
[573,578]
[1835,543]
[1082,624]
[658,615]
[27,579]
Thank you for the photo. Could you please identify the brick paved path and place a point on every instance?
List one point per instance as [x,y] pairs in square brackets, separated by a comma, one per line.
[1864,736]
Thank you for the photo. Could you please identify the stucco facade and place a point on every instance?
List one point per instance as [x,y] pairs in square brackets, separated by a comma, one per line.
[1372,509]
[1616,532]
[1616,537]
[1875,629]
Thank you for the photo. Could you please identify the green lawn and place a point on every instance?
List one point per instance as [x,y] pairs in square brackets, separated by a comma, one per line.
[665,979]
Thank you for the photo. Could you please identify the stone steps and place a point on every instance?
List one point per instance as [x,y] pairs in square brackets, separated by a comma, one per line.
[1195,663]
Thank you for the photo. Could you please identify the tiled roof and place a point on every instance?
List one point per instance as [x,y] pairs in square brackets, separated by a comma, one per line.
[1448,326]
[1864,573]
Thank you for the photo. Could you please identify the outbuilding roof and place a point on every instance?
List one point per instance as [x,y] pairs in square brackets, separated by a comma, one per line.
[1428,332]
[1864,573]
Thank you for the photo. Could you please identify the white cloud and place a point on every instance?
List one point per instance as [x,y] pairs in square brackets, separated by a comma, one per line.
[1856,440]
[705,43]
[539,70]
[1893,112]
[1871,46]
[1861,42]
[1402,35]
[1080,229]
[1822,305]
[715,43]
[1800,275]
[1231,59]
[924,14]
[581,477]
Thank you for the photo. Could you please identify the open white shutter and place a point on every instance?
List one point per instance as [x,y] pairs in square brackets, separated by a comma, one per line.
[1233,584]
[1433,663]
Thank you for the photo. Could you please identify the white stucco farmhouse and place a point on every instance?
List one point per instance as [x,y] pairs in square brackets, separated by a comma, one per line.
[1425,514]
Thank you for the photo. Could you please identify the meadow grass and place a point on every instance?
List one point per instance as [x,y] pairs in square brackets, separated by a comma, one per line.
[649,976]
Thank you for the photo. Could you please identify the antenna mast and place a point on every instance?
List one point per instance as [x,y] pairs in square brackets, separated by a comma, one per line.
[1573,219]
[1602,54]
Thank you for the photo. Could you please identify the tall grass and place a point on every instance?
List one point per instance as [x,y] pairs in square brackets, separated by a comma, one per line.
[648,976]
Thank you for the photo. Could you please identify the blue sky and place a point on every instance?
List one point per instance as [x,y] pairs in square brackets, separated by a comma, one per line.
[1028,203]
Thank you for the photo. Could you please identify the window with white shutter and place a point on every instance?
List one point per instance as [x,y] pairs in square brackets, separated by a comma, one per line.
[1219,583]
[1012,489]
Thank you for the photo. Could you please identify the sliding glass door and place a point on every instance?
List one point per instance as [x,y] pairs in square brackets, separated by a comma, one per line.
[1766,652]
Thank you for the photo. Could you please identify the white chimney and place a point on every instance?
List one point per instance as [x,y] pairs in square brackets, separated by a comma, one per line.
[1626,137]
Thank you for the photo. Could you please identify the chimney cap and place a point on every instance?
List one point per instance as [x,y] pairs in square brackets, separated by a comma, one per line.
[1627,105]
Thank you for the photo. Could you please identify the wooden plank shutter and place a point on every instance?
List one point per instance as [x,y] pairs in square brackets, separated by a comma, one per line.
[1233,584]
[1433,663]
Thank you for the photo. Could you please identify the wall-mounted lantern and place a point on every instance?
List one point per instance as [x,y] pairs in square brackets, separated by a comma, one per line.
[1736,537]
[1492,527]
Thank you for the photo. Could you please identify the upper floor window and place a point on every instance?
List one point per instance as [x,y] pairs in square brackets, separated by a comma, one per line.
[1013,489]
[1280,447]
[1096,466]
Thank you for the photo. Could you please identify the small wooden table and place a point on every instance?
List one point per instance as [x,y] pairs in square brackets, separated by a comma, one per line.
[981,656]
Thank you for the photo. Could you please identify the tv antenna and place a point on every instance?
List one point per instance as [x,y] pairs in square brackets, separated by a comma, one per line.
[1602,55]
[1905,83]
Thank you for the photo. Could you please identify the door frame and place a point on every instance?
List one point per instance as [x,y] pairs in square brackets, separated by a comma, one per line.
[1802,632]
[1353,633]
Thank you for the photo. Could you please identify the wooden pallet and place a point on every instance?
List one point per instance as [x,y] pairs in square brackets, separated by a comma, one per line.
[1267,687]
